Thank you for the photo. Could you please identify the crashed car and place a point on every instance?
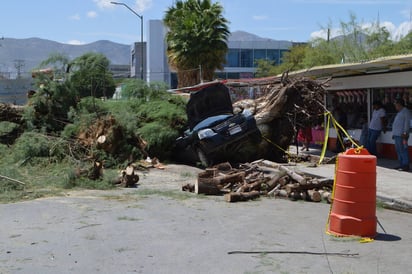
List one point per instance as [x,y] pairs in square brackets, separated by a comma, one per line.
[215,132]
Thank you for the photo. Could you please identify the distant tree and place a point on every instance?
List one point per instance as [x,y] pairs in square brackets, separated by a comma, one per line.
[265,68]
[294,59]
[379,42]
[404,46]
[323,52]
[353,40]
[196,39]
[137,88]
[90,76]
[60,64]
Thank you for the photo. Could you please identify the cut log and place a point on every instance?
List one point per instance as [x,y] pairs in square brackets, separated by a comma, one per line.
[96,172]
[292,188]
[284,180]
[282,193]
[207,188]
[256,185]
[298,178]
[210,172]
[238,177]
[326,195]
[314,195]
[241,196]
[274,190]
[273,181]
[130,177]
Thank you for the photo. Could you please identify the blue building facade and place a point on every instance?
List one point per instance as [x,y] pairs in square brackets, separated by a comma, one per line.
[244,50]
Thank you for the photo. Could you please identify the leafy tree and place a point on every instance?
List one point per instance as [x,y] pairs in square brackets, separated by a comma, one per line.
[379,42]
[293,60]
[90,76]
[322,52]
[353,40]
[196,39]
[404,46]
[60,65]
[49,105]
[265,68]
[137,88]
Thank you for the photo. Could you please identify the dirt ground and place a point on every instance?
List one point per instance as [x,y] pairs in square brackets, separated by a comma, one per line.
[157,228]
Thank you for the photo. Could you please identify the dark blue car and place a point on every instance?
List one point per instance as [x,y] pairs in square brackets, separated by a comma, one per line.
[215,132]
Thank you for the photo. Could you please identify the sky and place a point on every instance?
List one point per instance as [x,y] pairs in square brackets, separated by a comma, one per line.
[87,21]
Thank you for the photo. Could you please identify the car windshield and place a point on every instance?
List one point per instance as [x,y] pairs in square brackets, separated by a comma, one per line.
[211,120]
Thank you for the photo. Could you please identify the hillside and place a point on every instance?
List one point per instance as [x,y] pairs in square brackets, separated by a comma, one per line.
[32,51]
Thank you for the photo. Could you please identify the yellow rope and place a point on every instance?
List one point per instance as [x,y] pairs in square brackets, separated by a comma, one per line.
[276,145]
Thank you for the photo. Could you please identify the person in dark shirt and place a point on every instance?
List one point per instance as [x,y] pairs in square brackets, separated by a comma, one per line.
[400,134]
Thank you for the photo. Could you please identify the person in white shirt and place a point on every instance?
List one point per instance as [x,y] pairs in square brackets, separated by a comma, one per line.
[376,126]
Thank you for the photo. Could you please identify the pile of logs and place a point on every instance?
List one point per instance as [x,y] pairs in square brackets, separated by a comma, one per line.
[260,178]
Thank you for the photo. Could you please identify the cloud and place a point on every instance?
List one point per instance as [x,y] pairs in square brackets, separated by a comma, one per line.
[103,4]
[350,2]
[396,32]
[142,5]
[260,17]
[91,14]
[139,5]
[75,17]
[402,30]
[75,42]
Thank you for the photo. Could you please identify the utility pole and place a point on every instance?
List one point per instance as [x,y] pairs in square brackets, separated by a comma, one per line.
[19,64]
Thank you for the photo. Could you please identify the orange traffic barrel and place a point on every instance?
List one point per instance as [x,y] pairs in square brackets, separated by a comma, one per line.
[353,209]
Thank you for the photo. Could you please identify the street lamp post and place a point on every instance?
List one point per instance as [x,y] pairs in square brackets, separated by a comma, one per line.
[141,34]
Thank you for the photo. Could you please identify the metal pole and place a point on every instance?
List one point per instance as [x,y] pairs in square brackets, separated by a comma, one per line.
[141,35]
[142,47]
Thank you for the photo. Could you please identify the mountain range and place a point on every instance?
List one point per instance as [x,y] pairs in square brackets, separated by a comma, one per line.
[29,53]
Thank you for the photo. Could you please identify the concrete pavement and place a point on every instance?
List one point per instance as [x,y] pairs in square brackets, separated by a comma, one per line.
[394,188]
[156,228]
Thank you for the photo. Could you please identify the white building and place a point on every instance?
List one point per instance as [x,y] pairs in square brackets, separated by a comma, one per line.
[244,50]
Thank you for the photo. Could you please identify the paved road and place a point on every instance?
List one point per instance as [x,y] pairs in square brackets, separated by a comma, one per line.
[145,231]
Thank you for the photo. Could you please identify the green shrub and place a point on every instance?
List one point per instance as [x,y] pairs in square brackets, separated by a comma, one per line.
[32,145]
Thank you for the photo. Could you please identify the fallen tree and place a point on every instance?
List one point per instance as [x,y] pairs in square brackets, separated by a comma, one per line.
[290,104]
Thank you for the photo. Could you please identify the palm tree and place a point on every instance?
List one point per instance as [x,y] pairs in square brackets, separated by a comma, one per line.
[196,39]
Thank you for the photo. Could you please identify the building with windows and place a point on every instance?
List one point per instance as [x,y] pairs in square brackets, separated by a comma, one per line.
[244,50]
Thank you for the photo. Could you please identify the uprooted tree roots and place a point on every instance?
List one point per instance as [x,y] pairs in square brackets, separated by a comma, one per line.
[290,104]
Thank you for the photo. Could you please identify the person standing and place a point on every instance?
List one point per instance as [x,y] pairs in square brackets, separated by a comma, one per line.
[400,131]
[305,136]
[376,126]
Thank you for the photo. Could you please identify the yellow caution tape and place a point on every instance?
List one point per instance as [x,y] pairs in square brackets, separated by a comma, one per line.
[325,142]
[276,145]
[366,240]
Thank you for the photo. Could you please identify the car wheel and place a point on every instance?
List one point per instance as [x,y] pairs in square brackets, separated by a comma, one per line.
[204,160]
